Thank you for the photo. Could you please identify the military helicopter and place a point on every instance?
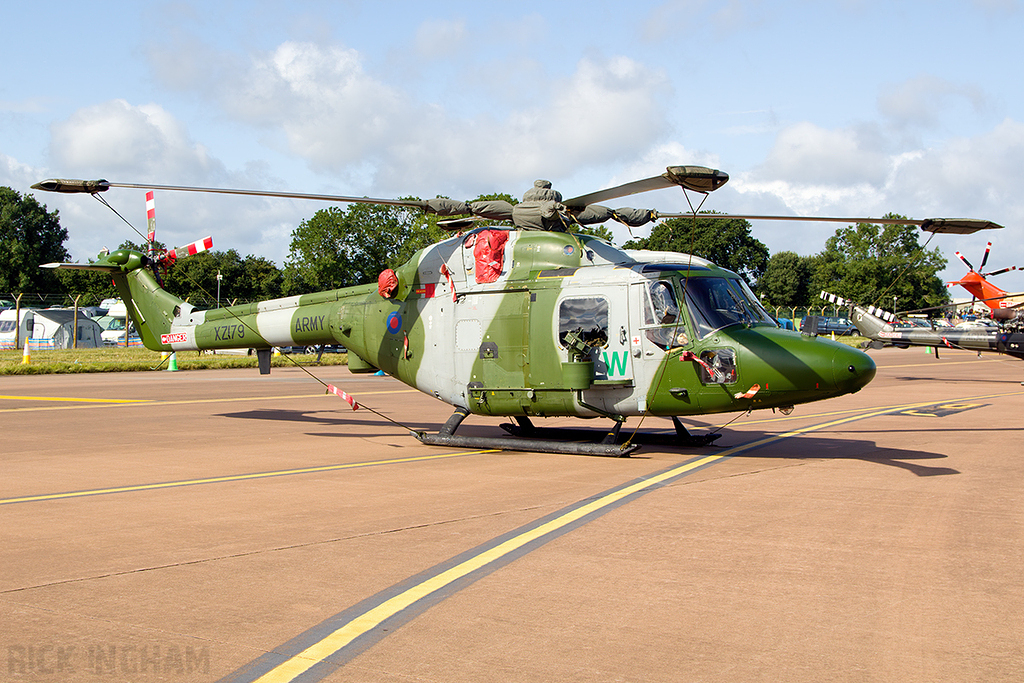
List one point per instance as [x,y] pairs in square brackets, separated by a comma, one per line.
[530,320]
[881,328]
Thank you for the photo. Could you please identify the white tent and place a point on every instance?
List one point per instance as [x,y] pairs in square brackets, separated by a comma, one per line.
[55,328]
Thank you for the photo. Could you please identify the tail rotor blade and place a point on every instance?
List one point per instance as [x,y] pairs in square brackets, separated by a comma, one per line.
[151,221]
[191,249]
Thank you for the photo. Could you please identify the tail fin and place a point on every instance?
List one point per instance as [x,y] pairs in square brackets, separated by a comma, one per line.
[870,321]
[150,307]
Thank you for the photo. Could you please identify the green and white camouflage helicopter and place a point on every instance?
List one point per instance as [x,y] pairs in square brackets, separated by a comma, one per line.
[530,320]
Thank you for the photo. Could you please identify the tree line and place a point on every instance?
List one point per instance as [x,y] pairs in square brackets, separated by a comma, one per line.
[337,248]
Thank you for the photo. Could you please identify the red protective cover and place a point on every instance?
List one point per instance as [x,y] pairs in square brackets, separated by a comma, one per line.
[387,283]
[489,253]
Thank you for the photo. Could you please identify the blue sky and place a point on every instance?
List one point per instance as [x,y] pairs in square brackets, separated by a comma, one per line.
[849,108]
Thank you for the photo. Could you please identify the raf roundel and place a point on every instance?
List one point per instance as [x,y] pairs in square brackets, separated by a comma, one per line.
[394,322]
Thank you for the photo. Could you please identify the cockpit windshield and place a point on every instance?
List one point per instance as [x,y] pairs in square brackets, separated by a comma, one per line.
[715,302]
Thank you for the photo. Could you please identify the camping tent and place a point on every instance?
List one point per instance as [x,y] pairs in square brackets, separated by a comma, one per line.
[54,328]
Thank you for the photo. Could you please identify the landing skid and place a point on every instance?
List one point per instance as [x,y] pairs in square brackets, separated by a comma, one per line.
[447,437]
[528,437]
[682,437]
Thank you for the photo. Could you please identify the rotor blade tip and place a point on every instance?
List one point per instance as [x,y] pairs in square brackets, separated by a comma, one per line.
[72,186]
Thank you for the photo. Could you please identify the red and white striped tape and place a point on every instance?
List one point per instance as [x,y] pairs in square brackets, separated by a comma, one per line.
[345,397]
[451,281]
[749,393]
[691,356]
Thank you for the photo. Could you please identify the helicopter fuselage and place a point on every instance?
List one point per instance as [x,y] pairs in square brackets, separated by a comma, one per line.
[549,324]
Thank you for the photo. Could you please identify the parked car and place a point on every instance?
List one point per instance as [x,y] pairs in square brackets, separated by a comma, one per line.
[827,325]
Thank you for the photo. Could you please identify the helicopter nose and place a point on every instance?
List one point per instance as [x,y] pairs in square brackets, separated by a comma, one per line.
[852,369]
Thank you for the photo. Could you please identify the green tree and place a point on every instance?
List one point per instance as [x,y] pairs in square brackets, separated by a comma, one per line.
[340,248]
[598,230]
[29,236]
[871,264]
[90,286]
[786,280]
[250,279]
[727,243]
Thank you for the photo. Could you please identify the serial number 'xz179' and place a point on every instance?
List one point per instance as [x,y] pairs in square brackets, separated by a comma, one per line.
[228,332]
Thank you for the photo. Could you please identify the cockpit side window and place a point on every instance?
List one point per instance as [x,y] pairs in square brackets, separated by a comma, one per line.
[664,324]
[663,309]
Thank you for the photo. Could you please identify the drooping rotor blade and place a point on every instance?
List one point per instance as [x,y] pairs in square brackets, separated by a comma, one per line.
[457,224]
[72,186]
[81,266]
[964,259]
[94,186]
[984,259]
[958,226]
[697,178]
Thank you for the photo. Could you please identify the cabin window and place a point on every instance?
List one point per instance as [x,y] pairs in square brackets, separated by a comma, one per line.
[588,315]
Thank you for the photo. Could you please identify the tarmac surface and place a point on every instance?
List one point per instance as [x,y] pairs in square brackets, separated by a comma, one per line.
[218,525]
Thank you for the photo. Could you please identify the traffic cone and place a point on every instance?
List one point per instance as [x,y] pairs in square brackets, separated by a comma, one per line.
[172,364]
[26,355]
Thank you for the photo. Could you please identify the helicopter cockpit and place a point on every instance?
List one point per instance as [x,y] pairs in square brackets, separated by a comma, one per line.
[717,302]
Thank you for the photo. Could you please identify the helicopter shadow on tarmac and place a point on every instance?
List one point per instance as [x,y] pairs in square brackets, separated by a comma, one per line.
[806,447]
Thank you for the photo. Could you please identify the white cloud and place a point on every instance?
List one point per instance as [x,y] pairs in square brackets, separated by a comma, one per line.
[921,101]
[975,177]
[439,38]
[117,138]
[341,119]
[809,155]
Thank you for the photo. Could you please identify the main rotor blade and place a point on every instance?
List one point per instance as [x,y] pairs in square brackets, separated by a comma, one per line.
[94,186]
[958,226]
[81,266]
[697,178]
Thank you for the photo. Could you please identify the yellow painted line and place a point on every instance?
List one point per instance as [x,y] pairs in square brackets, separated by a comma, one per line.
[303,661]
[110,403]
[813,416]
[948,362]
[69,398]
[236,477]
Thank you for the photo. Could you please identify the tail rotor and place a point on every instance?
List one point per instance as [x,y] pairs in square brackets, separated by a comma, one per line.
[163,259]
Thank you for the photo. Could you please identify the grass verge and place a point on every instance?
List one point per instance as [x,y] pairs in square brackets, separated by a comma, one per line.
[140,359]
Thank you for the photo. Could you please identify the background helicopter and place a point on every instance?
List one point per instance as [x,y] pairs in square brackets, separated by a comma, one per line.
[1003,306]
[532,320]
[880,327]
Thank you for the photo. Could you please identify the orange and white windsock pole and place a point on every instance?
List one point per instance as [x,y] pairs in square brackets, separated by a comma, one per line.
[151,220]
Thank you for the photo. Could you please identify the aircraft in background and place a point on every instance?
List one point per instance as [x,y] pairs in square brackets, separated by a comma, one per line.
[1004,306]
